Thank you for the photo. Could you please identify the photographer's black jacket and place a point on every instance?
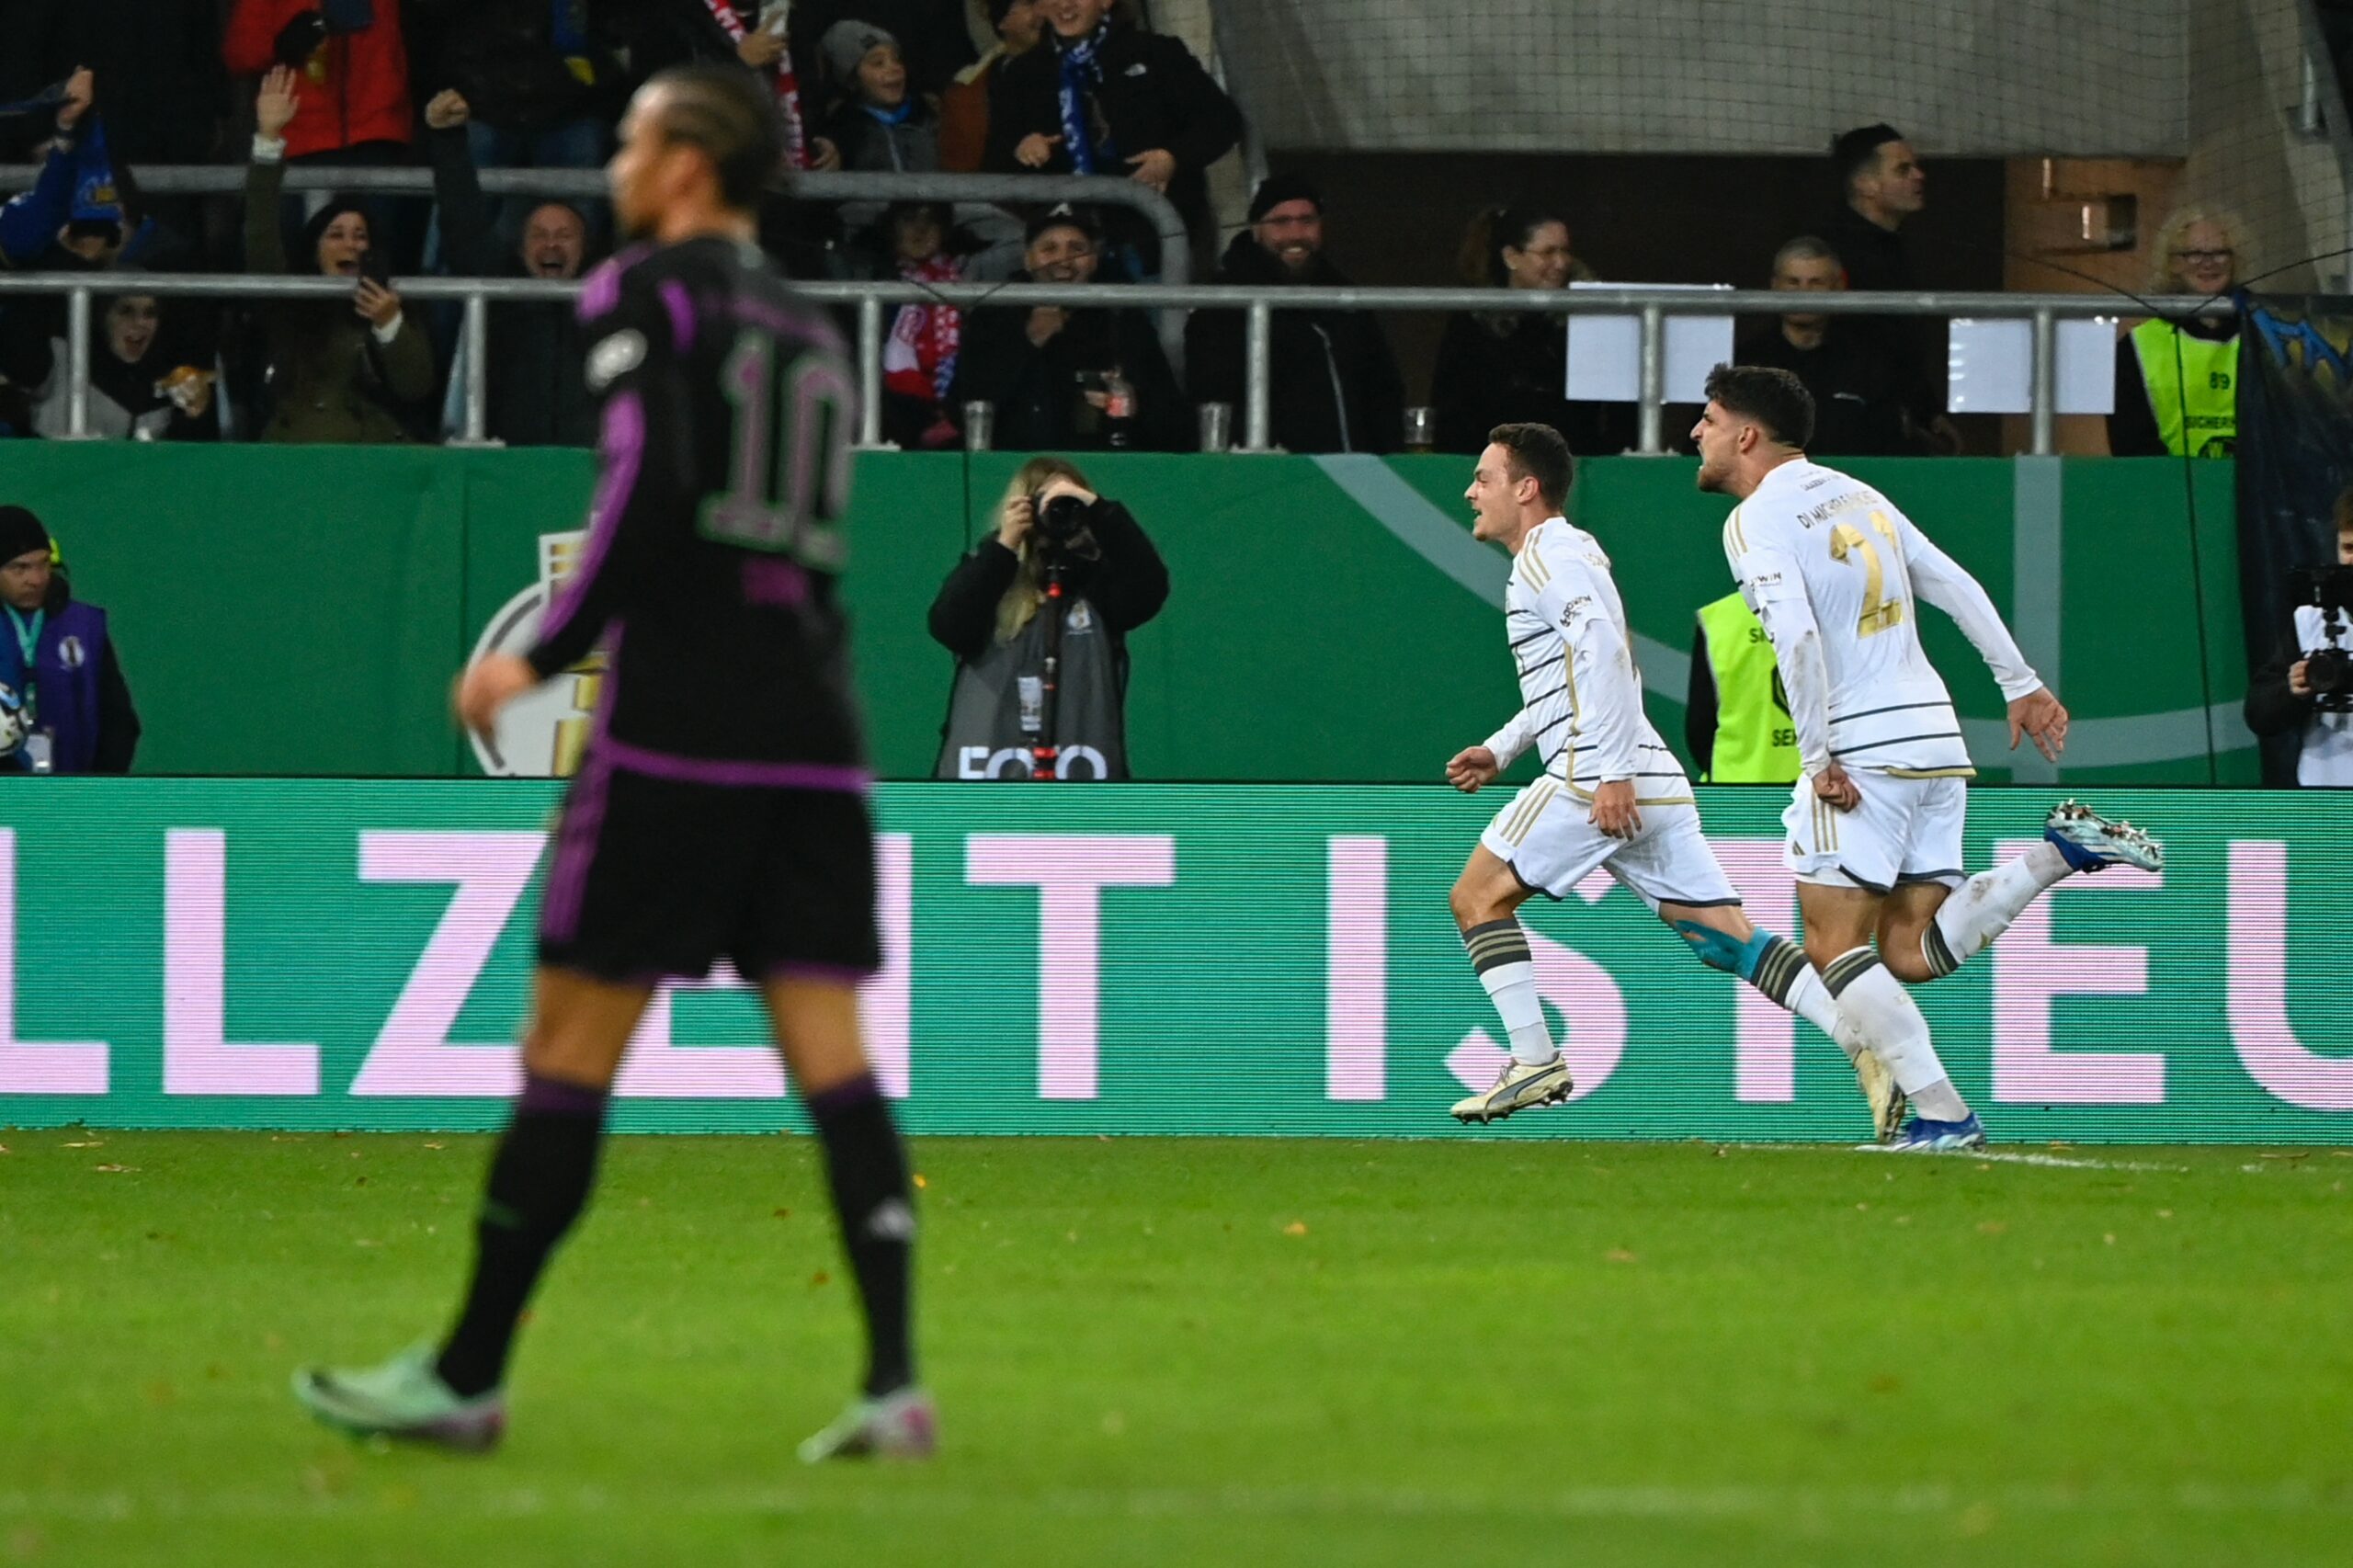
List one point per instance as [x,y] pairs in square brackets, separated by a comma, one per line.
[1127,583]
[2272,708]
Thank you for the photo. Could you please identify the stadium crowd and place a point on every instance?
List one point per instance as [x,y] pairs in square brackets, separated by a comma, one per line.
[91,90]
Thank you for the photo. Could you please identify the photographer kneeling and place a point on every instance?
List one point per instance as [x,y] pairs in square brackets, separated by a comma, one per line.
[2309,686]
[1048,688]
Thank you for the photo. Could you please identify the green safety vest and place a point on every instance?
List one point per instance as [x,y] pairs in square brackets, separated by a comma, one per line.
[1757,742]
[2193,385]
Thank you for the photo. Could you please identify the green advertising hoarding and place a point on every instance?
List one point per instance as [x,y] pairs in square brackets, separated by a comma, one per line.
[301,610]
[1240,959]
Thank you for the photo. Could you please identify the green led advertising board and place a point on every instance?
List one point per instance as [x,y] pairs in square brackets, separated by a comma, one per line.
[1204,960]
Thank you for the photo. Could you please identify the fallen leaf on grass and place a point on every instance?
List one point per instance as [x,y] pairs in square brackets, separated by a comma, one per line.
[820,1277]
[919,1181]
[1296,1228]
[782,1214]
[2109,1238]
[2164,1213]
[131,1169]
[1992,1227]
[1618,1254]
[1884,1382]
[91,1143]
[433,1145]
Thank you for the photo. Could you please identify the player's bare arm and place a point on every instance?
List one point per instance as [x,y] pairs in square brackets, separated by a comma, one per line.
[2041,717]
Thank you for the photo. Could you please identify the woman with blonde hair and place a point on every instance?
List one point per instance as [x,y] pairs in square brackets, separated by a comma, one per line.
[2176,381]
[997,614]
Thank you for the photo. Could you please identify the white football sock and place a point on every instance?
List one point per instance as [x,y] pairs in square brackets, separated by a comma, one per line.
[1983,907]
[1811,1000]
[1785,978]
[1499,951]
[1892,1025]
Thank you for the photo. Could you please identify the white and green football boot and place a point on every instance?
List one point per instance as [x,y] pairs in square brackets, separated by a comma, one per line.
[901,1426]
[403,1398]
[1518,1087]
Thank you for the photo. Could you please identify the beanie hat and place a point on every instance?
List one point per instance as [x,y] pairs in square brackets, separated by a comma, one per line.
[847,42]
[1276,189]
[21,533]
[307,259]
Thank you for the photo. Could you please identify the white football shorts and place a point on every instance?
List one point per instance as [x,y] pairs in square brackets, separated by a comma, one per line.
[1906,830]
[1546,835]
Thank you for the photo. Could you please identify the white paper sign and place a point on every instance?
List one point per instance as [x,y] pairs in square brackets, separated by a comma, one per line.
[1989,366]
[1605,353]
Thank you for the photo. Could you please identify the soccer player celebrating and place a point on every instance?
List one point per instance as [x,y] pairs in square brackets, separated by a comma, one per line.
[1834,571]
[721,809]
[1612,795]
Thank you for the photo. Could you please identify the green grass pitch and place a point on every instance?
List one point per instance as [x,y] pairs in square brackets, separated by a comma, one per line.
[1207,1352]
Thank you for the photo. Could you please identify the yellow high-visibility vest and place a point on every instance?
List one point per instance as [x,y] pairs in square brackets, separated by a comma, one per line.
[1757,742]
[2193,388]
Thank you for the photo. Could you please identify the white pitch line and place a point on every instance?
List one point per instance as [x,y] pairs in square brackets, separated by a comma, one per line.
[2003,1156]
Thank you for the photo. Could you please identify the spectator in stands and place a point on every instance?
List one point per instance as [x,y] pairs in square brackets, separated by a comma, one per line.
[1511,367]
[540,79]
[964,102]
[1102,97]
[539,394]
[1857,409]
[881,123]
[60,662]
[146,383]
[336,372]
[353,68]
[932,34]
[1335,383]
[160,61]
[670,32]
[2176,382]
[1070,379]
[1883,186]
[919,356]
[993,615]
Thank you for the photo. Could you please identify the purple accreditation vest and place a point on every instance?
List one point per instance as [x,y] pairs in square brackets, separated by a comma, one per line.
[65,683]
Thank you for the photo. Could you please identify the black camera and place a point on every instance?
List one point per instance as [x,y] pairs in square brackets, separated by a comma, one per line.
[1061,518]
[2328,670]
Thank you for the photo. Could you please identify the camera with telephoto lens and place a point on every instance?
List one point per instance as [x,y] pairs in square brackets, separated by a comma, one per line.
[2328,670]
[1061,518]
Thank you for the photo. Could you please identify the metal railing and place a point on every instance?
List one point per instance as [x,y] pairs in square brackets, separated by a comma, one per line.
[1010,190]
[1651,305]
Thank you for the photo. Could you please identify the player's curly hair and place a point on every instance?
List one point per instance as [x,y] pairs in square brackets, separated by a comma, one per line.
[1773,397]
[724,110]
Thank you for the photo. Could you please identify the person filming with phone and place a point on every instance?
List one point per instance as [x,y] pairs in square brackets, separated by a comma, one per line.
[339,370]
[1038,617]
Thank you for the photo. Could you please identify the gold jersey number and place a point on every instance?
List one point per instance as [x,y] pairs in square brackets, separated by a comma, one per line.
[1880,611]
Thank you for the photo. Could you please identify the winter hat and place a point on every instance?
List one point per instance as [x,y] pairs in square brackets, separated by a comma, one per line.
[307,259]
[847,42]
[1276,189]
[21,533]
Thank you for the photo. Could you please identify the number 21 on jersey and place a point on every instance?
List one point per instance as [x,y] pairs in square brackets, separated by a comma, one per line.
[788,457]
[1879,610]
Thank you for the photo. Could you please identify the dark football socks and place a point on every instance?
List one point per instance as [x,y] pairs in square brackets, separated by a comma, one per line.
[539,1182]
[869,1174]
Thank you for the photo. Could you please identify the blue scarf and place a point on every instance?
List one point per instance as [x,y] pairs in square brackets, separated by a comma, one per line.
[1083,74]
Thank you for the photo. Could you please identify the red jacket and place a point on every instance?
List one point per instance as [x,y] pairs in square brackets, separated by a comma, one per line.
[365,95]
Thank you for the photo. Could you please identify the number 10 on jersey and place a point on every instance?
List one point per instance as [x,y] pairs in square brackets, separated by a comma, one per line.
[788,457]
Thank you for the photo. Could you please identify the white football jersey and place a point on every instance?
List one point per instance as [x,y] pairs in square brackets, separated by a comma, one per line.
[1581,696]
[1816,549]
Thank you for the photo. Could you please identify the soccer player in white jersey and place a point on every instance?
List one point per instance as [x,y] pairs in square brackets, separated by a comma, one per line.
[1835,571]
[1612,795]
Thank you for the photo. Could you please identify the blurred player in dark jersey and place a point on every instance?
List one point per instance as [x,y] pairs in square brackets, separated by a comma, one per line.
[721,809]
